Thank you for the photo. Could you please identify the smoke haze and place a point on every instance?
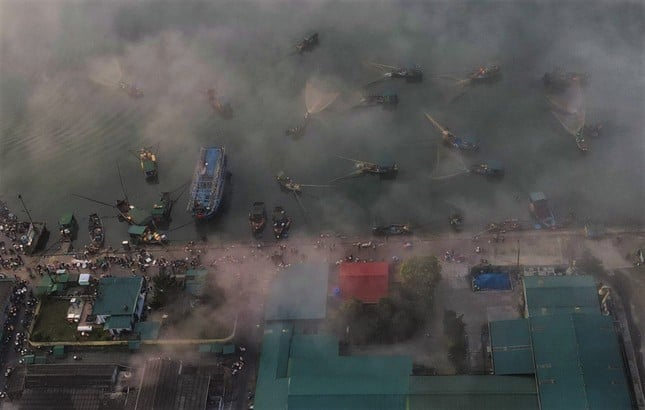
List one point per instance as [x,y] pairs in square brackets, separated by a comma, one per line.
[65,124]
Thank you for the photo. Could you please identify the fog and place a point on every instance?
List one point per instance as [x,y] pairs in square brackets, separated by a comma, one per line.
[65,124]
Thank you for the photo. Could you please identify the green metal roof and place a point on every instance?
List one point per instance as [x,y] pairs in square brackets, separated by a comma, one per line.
[58,351]
[117,296]
[578,363]
[472,392]
[204,348]
[271,389]
[549,295]
[66,219]
[299,292]
[347,402]
[134,344]
[149,165]
[511,346]
[139,216]
[118,322]
[136,230]
[148,330]
[228,349]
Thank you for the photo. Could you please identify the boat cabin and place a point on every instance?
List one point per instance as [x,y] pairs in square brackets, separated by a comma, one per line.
[68,227]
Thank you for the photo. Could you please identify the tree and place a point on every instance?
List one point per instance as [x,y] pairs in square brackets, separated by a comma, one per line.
[165,288]
[420,275]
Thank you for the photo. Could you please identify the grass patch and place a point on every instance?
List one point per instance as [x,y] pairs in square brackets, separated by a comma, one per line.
[52,325]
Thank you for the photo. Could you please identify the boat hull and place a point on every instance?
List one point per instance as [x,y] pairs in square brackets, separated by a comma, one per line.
[207,188]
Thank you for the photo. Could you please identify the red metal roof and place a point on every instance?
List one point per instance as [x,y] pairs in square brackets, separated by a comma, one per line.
[367,282]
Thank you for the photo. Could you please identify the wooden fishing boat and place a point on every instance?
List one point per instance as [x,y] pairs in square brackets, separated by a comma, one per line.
[392,229]
[130,89]
[97,234]
[281,222]
[541,211]
[309,43]
[484,73]
[257,218]
[490,168]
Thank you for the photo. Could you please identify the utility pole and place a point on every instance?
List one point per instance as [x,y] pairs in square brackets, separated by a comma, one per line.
[518,256]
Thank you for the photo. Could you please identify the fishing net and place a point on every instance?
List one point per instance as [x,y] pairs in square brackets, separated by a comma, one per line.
[317,99]
[569,108]
[449,164]
[105,71]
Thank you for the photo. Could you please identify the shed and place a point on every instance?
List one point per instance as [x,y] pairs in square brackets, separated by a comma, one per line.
[228,349]
[136,230]
[548,295]
[511,347]
[148,330]
[367,282]
[84,279]
[134,345]
[59,351]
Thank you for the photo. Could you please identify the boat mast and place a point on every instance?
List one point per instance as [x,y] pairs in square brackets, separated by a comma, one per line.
[24,207]
[122,185]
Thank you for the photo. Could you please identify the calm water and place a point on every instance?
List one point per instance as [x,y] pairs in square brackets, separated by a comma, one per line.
[65,125]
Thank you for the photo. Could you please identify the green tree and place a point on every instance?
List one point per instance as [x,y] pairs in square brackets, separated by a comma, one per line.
[165,288]
[420,276]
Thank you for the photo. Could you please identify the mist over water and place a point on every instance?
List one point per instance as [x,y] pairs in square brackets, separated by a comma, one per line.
[65,124]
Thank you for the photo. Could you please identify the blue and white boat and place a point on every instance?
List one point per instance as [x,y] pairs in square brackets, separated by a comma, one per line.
[207,188]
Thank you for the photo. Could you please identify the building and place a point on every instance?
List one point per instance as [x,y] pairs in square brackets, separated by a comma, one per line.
[119,303]
[365,281]
[564,355]
[566,344]
[163,386]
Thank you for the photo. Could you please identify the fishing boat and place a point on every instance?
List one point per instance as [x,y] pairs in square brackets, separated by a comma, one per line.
[490,168]
[130,89]
[386,100]
[286,184]
[385,169]
[161,209]
[219,104]
[484,73]
[392,229]
[456,220]
[412,74]
[207,188]
[148,161]
[281,222]
[504,226]
[68,227]
[541,211]
[449,139]
[146,235]
[258,218]
[97,234]
[309,43]
[131,214]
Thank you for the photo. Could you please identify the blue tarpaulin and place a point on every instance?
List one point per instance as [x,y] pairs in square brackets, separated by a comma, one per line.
[492,281]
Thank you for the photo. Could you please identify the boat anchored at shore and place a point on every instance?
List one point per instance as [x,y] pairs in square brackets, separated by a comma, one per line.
[281,223]
[97,234]
[258,218]
[463,144]
[207,188]
[541,211]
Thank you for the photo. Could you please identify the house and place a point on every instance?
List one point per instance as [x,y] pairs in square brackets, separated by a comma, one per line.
[119,303]
[367,282]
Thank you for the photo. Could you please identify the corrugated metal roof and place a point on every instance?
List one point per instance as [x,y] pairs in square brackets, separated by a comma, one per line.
[511,346]
[118,322]
[549,295]
[578,363]
[348,402]
[270,390]
[117,296]
[299,292]
[148,330]
[469,392]
[367,282]
[472,392]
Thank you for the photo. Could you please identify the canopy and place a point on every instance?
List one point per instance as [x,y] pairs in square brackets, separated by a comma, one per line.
[66,219]
[136,230]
